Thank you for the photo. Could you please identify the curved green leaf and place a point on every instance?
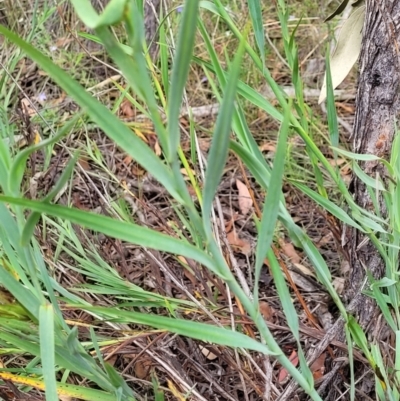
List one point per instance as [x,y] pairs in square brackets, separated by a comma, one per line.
[199,331]
[119,229]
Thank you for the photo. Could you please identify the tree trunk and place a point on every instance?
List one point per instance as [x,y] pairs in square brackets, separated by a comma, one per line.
[377,109]
[151,25]
[378,106]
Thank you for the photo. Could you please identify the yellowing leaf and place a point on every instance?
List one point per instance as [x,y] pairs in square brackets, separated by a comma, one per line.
[347,49]
[175,392]
[37,138]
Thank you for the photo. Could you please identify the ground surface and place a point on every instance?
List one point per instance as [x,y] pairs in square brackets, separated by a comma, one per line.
[106,181]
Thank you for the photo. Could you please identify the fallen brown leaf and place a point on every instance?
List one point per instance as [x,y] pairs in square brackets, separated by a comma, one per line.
[84,164]
[142,368]
[267,147]
[157,149]
[337,162]
[318,367]
[245,201]
[27,108]
[239,244]
[266,311]
[289,251]
[126,109]
[283,373]
[207,353]
[304,270]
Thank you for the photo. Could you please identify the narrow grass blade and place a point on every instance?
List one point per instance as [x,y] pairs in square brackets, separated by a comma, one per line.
[34,217]
[272,203]
[5,163]
[258,27]
[63,389]
[80,363]
[372,182]
[24,297]
[284,295]
[321,268]
[117,381]
[164,67]
[397,356]
[243,89]
[220,141]
[223,13]
[18,166]
[111,125]
[9,224]
[158,393]
[351,361]
[112,14]
[380,300]
[260,171]
[360,339]
[331,108]
[134,66]
[262,174]
[200,331]
[46,332]
[119,229]
[180,70]
[358,156]
[328,205]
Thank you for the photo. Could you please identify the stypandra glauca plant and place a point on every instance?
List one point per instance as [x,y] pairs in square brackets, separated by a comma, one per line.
[53,342]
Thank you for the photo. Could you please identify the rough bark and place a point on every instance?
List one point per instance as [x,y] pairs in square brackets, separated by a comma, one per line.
[378,106]
[377,110]
[151,24]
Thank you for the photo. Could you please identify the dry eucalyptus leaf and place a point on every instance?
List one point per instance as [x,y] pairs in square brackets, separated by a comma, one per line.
[27,108]
[318,367]
[347,49]
[142,368]
[267,147]
[66,398]
[303,283]
[157,149]
[126,109]
[289,251]
[237,243]
[338,285]
[304,270]
[207,353]
[245,201]
[338,10]
[283,375]
[266,311]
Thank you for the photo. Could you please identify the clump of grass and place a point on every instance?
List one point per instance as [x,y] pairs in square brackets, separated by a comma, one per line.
[192,236]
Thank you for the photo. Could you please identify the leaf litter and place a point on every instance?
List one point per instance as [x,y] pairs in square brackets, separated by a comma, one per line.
[113,182]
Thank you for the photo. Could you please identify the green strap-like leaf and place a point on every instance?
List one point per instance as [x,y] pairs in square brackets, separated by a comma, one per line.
[200,331]
[272,202]
[112,14]
[108,122]
[180,70]
[220,141]
[46,331]
[256,18]
[120,229]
